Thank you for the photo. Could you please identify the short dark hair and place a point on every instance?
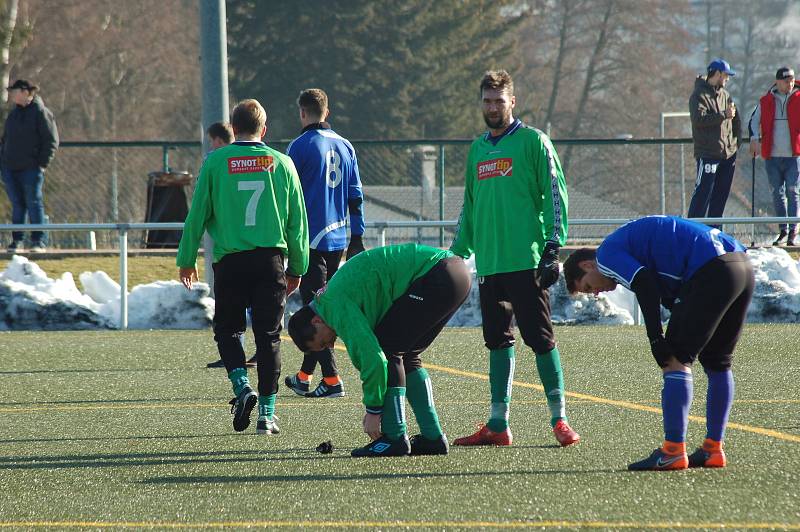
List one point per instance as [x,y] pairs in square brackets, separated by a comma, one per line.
[300,328]
[221,130]
[313,101]
[498,80]
[572,269]
[248,117]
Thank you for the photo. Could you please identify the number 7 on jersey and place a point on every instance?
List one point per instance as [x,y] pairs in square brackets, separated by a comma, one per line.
[257,187]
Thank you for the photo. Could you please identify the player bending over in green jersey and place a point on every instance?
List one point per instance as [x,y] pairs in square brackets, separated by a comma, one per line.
[387,305]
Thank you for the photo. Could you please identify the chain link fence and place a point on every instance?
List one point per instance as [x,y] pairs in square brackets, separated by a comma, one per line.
[107,182]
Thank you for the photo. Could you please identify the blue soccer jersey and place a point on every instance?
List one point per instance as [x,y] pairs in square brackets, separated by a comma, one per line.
[672,248]
[331,184]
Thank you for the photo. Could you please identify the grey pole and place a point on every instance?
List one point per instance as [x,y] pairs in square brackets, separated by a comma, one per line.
[214,66]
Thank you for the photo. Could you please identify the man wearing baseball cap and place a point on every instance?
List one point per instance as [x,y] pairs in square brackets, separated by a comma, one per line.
[775,135]
[30,139]
[716,128]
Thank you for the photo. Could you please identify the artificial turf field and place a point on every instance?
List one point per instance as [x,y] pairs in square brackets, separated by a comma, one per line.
[130,430]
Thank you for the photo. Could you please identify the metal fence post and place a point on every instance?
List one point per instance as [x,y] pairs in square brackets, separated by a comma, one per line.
[123,276]
[441,193]
[663,179]
[165,158]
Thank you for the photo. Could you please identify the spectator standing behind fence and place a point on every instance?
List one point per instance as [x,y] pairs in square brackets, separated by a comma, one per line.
[30,140]
[716,127]
[775,135]
[328,169]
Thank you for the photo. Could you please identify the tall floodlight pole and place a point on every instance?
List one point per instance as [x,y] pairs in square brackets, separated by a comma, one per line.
[214,66]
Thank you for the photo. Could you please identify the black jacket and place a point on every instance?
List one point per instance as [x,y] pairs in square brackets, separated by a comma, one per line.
[30,137]
[715,137]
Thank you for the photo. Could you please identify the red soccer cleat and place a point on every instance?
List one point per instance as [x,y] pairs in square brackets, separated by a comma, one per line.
[564,434]
[484,436]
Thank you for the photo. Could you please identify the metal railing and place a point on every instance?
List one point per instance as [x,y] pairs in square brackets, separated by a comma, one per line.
[123,229]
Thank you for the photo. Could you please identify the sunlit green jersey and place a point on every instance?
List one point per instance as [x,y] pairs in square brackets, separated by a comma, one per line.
[359,295]
[247,196]
[515,199]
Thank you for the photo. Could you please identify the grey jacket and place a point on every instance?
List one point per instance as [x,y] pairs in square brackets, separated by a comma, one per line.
[715,137]
[30,137]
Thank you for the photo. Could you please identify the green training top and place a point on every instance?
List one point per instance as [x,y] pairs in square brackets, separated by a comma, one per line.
[248,196]
[515,199]
[360,294]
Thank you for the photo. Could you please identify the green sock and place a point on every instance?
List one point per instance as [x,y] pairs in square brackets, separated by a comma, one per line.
[501,375]
[393,420]
[266,405]
[420,397]
[549,367]
[238,378]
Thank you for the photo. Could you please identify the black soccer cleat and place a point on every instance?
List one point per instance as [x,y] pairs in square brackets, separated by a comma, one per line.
[420,445]
[327,390]
[296,385]
[241,407]
[780,239]
[383,446]
[661,461]
[216,364]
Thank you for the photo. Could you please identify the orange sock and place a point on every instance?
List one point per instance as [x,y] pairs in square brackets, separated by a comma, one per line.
[673,448]
[332,381]
[712,445]
[304,376]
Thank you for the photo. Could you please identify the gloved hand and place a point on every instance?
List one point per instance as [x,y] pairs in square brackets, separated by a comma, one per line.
[661,350]
[548,271]
[356,246]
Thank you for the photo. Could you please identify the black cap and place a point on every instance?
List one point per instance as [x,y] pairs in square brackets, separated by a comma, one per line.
[784,72]
[23,84]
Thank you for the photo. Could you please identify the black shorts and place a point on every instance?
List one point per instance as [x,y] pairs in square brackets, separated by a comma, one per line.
[710,310]
[516,295]
[418,316]
[321,267]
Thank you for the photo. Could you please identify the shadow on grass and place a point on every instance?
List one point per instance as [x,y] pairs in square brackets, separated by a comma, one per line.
[371,476]
[148,459]
[111,438]
[88,370]
[155,401]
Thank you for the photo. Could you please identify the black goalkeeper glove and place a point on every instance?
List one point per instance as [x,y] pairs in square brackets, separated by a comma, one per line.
[547,272]
[661,350]
[356,246]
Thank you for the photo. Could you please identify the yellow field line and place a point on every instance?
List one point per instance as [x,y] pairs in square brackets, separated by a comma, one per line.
[400,524]
[621,404]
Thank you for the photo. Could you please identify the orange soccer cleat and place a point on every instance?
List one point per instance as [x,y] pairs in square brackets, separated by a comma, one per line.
[484,436]
[709,455]
[564,434]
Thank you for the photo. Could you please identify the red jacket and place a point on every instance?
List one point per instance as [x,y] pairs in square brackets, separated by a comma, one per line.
[767,103]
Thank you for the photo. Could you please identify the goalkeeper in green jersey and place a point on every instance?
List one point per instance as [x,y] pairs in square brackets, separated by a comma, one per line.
[388,305]
[248,197]
[514,220]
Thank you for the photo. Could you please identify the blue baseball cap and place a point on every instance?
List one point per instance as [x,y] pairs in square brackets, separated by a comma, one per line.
[722,66]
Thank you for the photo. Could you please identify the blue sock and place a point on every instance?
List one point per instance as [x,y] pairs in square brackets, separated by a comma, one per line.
[676,398]
[719,400]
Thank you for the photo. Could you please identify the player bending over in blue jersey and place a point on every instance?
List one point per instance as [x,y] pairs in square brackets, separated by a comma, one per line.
[705,278]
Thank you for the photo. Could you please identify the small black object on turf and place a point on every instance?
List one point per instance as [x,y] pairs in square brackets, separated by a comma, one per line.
[325,447]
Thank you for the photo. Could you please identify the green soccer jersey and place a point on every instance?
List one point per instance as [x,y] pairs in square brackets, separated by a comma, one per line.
[515,200]
[247,196]
[360,294]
